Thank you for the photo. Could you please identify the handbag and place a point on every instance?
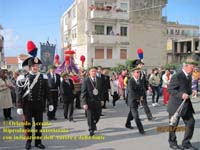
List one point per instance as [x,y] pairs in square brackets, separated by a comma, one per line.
[116,96]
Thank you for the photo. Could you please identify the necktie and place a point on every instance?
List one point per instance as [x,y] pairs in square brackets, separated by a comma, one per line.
[53,79]
[94,81]
[137,81]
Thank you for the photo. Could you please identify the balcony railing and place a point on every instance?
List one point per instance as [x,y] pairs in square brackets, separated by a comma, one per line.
[108,13]
[109,39]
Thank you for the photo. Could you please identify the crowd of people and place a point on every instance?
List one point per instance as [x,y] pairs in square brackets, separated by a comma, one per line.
[34,93]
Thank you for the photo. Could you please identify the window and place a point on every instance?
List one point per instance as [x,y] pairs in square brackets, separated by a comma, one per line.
[109,30]
[195,33]
[74,12]
[99,53]
[188,33]
[69,14]
[124,7]
[123,53]
[66,21]
[177,32]
[8,66]
[123,31]
[99,4]
[171,31]
[109,53]
[182,32]
[99,29]
[74,33]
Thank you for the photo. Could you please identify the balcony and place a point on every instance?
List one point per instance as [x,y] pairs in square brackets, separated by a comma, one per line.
[109,14]
[109,39]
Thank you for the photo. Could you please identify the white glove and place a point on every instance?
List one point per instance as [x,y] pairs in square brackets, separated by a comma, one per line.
[19,111]
[51,108]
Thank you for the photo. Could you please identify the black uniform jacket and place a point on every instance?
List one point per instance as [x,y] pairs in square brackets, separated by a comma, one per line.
[134,92]
[67,90]
[179,84]
[39,93]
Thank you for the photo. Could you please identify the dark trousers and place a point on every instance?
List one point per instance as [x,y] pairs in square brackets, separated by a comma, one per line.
[7,113]
[146,107]
[33,110]
[115,97]
[155,92]
[77,97]
[93,116]
[52,114]
[133,114]
[105,98]
[189,121]
[68,109]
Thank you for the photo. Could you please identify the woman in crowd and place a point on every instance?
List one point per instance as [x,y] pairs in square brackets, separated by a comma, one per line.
[114,88]
[165,82]
[154,82]
[5,95]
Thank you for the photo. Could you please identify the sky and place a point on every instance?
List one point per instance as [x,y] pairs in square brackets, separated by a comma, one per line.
[39,20]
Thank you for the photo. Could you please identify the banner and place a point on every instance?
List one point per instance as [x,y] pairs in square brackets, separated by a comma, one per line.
[47,52]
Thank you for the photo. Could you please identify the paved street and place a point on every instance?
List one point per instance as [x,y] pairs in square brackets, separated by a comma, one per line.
[111,133]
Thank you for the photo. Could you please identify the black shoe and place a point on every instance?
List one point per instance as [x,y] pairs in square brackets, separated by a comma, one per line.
[129,127]
[176,147]
[66,118]
[72,120]
[102,115]
[28,145]
[10,118]
[50,119]
[190,147]
[6,118]
[151,118]
[40,146]
[95,128]
[91,133]
[104,107]
[142,132]
[54,118]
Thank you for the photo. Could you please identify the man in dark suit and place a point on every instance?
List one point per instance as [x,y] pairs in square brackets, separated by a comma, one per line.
[67,94]
[180,89]
[54,84]
[91,96]
[107,87]
[103,80]
[135,95]
[144,83]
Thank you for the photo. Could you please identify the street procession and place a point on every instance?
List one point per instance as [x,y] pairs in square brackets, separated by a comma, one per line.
[121,78]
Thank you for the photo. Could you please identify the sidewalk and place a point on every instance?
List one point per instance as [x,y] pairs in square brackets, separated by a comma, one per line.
[111,133]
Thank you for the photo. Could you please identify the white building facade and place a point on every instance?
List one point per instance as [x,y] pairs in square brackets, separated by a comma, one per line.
[102,31]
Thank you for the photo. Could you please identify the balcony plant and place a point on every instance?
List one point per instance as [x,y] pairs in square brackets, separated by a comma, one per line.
[92,7]
[108,8]
[119,10]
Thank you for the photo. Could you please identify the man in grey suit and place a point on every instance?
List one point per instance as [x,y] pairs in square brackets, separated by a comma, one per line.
[135,95]
[180,89]
[91,96]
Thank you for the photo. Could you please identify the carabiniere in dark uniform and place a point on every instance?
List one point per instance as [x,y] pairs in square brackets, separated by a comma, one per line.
[32,104]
